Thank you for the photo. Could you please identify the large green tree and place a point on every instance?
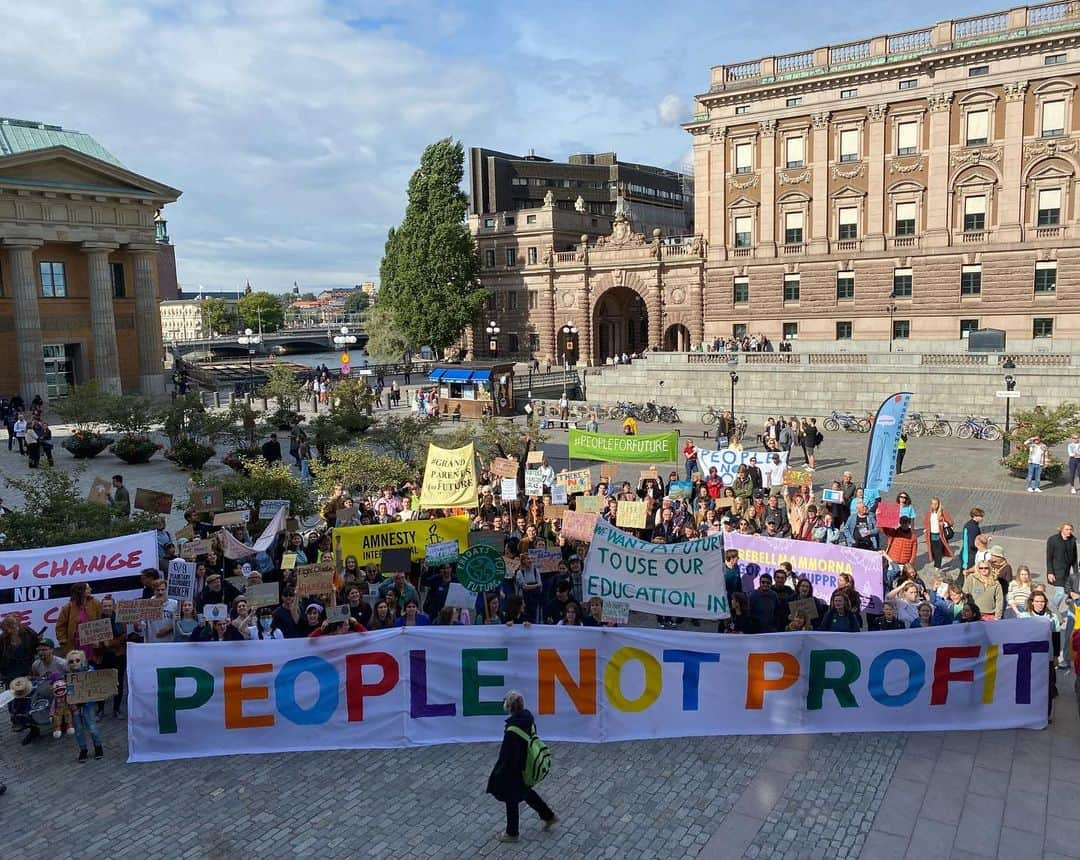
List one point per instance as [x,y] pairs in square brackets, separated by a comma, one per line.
[386,343]
[356,302]
[261,307]
[216,316]
[430,269]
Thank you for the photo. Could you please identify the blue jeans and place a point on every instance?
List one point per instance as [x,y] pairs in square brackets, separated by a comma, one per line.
[691,466]
[1034,475]
[85,719]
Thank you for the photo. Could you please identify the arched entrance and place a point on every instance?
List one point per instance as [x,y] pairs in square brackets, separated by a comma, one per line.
[621,324]
[677,338]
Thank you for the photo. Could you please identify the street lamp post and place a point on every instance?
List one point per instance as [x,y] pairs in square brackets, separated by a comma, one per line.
[345,341]
[1010,384]
[891,308]
[568,332]
[251,341]
[493,338]
[734,381]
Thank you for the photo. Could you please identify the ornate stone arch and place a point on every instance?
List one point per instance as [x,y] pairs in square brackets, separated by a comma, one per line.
[1046,174]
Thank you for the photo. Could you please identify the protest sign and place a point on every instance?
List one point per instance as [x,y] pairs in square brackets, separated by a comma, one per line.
[449,478]
[728,460]
[480,568]
[798,478]
[821,563]
[180,581]
[493,539]
[216,612]
[508,489]
[725,502]
[649,474]
[443,552]
[808,606]
[92,686]
[504,467]
[682,579]
[396,560]
[187,532]
[680,489]
[545,560]
[207,500]
[368,542]
[237,582]
[534,458]
[269,507]
[631,515]
[288,561]
[100,490]
[558,494]
[534,484]
[577,525]
[459,596]
[836,497]
[134,611]
[95,632]
[262,594]
[888,515]
[232,518]
[590,504]
[312,579]
[577,481]
[615,448]
[554,512]
[153,501]
[191,549]
[632,684]
[608,471]
[615,611]
[337,614]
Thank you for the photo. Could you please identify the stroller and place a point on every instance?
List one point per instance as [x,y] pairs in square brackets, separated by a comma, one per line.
[32,712]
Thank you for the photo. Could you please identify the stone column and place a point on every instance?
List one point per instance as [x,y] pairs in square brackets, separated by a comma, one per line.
[936,217]
[819,227]
[768,241]
[28,345]
[147,321]
[106,368]
[875,197]
[545,325]
[1009,216]
[655,305]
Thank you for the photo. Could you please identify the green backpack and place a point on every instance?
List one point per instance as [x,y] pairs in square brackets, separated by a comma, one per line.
[537,756]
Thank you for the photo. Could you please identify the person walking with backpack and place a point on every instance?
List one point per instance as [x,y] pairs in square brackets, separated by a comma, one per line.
[523,761]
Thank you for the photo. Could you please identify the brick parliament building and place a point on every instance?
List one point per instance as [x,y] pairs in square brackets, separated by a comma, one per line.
[898,191]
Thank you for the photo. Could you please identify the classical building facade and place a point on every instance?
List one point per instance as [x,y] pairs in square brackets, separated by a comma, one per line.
[181,319]
[78,265]
[903,189]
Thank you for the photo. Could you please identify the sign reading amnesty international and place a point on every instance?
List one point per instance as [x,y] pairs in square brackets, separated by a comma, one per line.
[368,542]
[449,478]
[613,448]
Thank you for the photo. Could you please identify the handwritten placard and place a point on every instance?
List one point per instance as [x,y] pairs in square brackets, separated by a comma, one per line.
[495,540]
[208,500]
[577,481]
[590,504]
[268,508]
[262,594]
[459,596]
[546,560]
[534,484]
[443,552]
[95,632]
[153,501]
[649,475]
[95,686]
[232,518]
[558,494]
[288,561]
[504,467]
[180,581]
[216,612]
[797,478]
[554,512]
[99,491]
[578,526]
[608,471]
[535,457]
[134,611]
[888,515]
[680,489]
[807,605]
[631,515]
[508,489]
[338,614]
[192,549]
[314,579]
[615,612]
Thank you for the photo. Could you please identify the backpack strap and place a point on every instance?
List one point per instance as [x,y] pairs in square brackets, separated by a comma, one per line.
[520,732]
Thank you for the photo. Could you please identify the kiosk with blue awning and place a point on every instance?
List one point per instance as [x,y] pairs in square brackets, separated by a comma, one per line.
[474,389]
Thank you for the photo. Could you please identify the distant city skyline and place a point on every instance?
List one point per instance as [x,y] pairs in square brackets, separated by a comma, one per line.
[293,126]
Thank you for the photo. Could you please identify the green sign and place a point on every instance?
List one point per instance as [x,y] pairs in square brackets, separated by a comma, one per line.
[481,568]
[613,448]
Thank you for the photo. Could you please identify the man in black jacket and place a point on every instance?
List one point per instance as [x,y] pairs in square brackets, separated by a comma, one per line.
[1061,555]
[507,781]
[271,449]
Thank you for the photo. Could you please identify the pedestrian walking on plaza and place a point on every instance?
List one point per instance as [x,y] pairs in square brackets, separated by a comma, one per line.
[1061,556]
[507,780]
[33,445]
[20,432]
[1074,461]
[1036,458]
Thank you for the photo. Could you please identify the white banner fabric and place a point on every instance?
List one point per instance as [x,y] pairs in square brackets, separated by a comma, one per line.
[727,462]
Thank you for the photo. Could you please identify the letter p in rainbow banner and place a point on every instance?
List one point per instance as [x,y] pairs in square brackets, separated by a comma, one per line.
[881,452]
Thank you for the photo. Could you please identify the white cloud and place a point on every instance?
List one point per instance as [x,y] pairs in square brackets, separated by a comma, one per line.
[671,110]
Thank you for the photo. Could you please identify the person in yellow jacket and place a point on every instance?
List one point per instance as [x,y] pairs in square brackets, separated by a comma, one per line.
[629,426]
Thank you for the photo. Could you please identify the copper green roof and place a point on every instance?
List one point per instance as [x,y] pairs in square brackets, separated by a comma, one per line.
[17,136]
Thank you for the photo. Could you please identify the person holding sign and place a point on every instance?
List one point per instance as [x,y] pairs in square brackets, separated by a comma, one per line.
[82,607]
[113,654]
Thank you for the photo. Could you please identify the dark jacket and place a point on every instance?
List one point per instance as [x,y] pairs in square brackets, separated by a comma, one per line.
[765,609]
[732,579]
[1060,556]
[506,782]
[290,629]
[840,622]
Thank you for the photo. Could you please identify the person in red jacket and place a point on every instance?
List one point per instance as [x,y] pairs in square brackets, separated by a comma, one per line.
[903,545]
[337,627]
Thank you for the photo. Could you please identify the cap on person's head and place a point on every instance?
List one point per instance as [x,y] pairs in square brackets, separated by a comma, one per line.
[997,551]
[46,642]
[318,607]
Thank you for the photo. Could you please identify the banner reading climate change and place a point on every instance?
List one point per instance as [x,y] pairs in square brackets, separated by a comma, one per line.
[613,448]
[368,542]
[449,478]
[435,685]
[683,579]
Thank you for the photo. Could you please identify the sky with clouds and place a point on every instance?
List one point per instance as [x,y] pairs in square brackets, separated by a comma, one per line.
[292,126]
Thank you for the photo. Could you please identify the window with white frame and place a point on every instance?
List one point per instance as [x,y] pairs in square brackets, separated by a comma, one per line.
[792,284]
[908,84]
[1053,118]
[531,256]
[967,327]
[489,258]
[744,237]
[907,138]
[741,291]
[971,280]
[977,127]
[905,219]
[1042,327]
[845,285]
[901,284]
[848,223]
[741,109]
[1045,277]
[1049,207]
[793,228]
[849,94]
[744,157]
[849,144]
[975,213]
[843,330]
[511,257]
[1054,59]
[795,154]
[794,101]
[791,331]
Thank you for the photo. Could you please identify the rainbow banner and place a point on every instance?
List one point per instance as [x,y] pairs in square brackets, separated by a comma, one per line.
[438,685]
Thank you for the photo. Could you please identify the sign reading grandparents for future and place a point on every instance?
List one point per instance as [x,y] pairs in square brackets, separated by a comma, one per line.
[684,579]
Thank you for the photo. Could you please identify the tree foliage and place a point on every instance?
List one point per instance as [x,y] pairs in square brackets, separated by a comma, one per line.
[357,301]
[489,435]
[351,405]
[131,414]
[262,481]
[404,436]
[56,512]
[187,419]
[261,307]
[282,385]
[429,272]
[85,407]
[1051,426]
[218,318]
[360,469]
[386,342]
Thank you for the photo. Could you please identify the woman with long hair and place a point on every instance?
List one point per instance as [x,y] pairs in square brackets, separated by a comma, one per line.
[937,527]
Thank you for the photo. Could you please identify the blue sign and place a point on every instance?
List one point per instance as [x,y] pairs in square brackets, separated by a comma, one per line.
[884,436]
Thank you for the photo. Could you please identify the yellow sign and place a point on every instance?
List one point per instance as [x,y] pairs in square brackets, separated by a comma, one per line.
[449,478]
[368,542]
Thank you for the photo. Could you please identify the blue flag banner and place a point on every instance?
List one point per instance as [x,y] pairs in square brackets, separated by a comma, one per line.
[884,436]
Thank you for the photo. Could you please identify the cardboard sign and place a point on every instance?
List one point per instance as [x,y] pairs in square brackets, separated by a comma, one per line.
[100,490]
[807,606]
[649,475]
[578,526]
[534,485]
[554,512]
[558,494]
[504,467]
[192,549]
[590,504]
[443,552]
[888,515]
[680,490]
[314,579]
[134,611]
[95,632]
[797,478]
[725,502]
[631,515]
[180,581]
[578,481]
[269,507]
[262,594]
[460,597]
[288,561]
[186,533]
[615,611]
[337,614]
[216,612]
[546,560]
[508,489]
[536,457]
[153,501]
[232,518]
[396,560]
[208,500]
[608,471]
[95,686]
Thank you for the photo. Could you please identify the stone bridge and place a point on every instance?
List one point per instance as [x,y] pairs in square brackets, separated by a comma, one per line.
[283,342]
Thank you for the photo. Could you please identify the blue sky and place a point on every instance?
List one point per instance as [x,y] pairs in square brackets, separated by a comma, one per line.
[292,125]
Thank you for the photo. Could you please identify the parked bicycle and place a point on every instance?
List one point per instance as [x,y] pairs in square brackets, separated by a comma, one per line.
[982,428]
[711,415]
[917,425]
[850,423]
